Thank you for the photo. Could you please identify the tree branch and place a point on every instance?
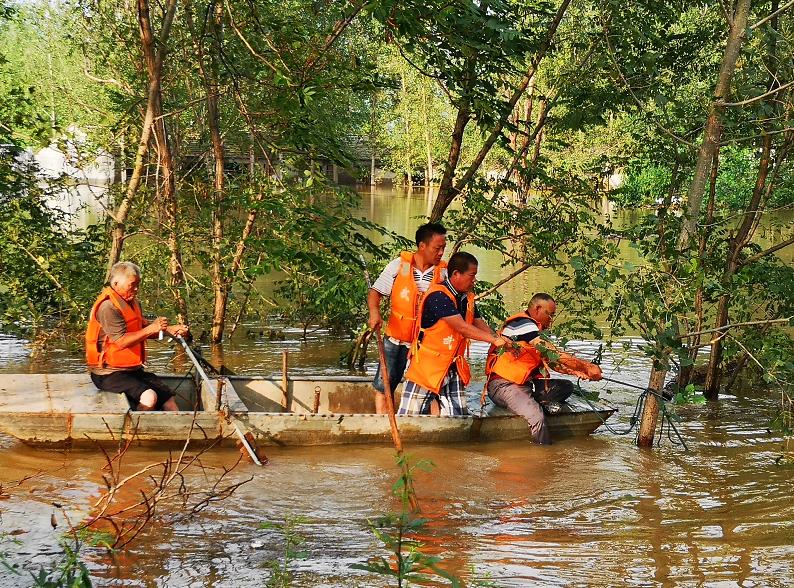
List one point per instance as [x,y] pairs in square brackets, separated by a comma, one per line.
[736,325]
[503,281]
[246,43]
[766,252]
[771,16]
[634,97]
[339,27]
[496,132]
[757,98]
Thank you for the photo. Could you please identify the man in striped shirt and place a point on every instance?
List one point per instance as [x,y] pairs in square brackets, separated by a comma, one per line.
[404,280]
[519,381]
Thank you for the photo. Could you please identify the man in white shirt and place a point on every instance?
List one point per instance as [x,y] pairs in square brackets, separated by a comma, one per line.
[405,280]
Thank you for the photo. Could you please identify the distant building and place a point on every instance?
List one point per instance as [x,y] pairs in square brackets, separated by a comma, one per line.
[83,193]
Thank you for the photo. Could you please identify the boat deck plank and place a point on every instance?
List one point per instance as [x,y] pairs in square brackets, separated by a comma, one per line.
[57,393]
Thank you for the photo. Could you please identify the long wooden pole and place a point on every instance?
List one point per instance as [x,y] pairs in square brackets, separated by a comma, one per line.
[285,379]
[395,431]
[384,370]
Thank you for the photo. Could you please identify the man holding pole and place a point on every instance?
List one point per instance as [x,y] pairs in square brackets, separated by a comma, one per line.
[516,379]
[437,377]
[116,342]
[404,280]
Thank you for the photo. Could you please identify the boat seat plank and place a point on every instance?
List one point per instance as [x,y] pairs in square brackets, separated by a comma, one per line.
[57,393]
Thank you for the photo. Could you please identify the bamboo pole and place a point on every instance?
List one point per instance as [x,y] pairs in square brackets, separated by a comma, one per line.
[395,431]
[387,391]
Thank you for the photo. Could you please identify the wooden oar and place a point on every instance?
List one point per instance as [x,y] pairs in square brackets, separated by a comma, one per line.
[384,370]
[200,370]
[395,431]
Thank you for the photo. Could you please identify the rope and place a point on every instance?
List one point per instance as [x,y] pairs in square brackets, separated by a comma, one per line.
[639,405]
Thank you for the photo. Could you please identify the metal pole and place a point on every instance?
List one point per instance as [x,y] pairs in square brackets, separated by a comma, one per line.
[203,375]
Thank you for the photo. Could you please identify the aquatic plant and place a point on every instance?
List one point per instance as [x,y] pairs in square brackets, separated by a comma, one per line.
[281,576]
[689,396]
[407,562]
[69,572]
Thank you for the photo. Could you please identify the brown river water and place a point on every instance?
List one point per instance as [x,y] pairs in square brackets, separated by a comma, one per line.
[593,511]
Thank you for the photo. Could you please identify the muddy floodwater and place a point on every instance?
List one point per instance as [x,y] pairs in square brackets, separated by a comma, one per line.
[593,511]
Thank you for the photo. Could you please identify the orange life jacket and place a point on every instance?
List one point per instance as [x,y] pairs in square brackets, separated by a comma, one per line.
[406,299]
[111,355]
[440,346]
[517,368]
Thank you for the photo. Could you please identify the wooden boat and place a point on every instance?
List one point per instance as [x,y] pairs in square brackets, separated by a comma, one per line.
[67,410]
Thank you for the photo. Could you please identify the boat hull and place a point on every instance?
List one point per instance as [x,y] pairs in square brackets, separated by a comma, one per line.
[61,410]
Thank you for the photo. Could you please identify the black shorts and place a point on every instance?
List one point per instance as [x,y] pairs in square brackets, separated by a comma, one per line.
[132,384]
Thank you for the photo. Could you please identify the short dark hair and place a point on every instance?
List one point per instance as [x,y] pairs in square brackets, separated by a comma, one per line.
[461,262]
[540,297]
[427,231]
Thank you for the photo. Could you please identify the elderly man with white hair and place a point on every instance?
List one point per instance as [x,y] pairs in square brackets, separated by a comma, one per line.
[116,342]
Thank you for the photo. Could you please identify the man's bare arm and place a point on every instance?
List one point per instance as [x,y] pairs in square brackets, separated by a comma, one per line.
[473,331]
[481,324]
[568,363]
[373,303]
[150,330]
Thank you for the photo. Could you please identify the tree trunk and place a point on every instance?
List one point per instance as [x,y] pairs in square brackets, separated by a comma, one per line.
[735,246]
[523,148]
[650,410]
[166,166]
[685,375]
[446,190]
[407,141]
[220,283]
[713,130]
[446,194]
[533,162]
[118,230]
[428,148]
[373,138]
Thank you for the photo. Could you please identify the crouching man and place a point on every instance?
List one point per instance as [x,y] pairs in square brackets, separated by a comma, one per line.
[515,378]
[116,342]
